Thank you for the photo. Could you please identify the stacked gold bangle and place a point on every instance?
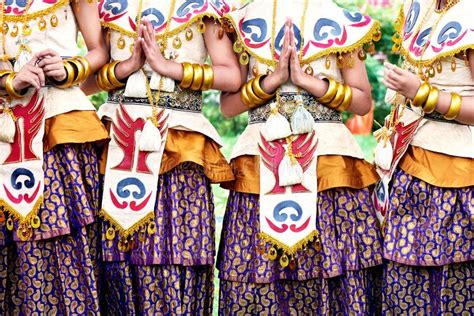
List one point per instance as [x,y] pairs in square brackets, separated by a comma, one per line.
[10,75]
[427,97]
[77,70]
[197,77]
[338,96]
[253,95]
[106,78]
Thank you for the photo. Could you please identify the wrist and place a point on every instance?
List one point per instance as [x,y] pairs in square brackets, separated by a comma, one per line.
[271,83]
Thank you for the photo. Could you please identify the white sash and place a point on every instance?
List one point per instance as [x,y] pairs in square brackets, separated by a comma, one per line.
[21,165]
[288,214]
[131,178]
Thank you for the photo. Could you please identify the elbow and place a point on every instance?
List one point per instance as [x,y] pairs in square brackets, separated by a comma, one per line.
[363,106]
[235,83]
[227,113]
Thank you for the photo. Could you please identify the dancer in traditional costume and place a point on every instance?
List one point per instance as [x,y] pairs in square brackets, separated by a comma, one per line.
[425,157]
[49,183]
[300,235]
[158,231]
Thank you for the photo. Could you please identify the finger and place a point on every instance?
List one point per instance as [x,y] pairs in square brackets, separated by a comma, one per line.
[292,36]
[54,73]
[33,60]
[393,76]
[389,85]
[145,47]
[151,29]
[37,72]
[47,52]
[147,36]
[34,81]
[398,70]
[49,61]
[53,67]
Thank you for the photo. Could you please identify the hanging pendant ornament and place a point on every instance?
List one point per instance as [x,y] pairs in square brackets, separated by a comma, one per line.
[189,35]
[151,229]
[35,222]
[24,233]
[261,247]
[284,261]
[121,42]
[362,55]
[453,64]
[244,59]
[340,61]
[292,264]
[141,236]
[309,70]
[150,138]
[42,24]
[10,224]
[110,233]
[237,47]
[177,42]
[54,21]
[328,62]
[14,32]
[431,72]
[290,171]
[123,245]
[255,71]
[350,61]
[221,32]
[439,67]
[272,253]
[5,28]
[202,27]
[26,30]
[317,243]
[302,121]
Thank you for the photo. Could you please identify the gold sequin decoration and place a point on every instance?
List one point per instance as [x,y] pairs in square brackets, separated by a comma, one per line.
[123,245]
[309,70]
[177,42]
[42,24]
[453,65]
[54,21]
[362,55]
[284,261]
[14,32]
[340,61]
[431,72]
[439,67]
[255,70]
[10,223]
[110,234]
[26,30]
[272,253]
[238,47]
[24,233]
[201,27]
[189,35]
[121,42]
[328,62]
[151,229]
[35,222]
[5,28]
[244,58]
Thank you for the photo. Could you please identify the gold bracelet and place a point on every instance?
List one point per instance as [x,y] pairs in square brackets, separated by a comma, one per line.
[79,70]
[208,77]
[198,73]
[9,87]
[337,101]
[104,78]
[347,99]
[112,77]
[258,90]
[100,83]
[70,77]
[421,95]
[252,95]
[188,76]
[245,97]
[330,93]
[4,73]
[432,101]
[85,63]
[454,108]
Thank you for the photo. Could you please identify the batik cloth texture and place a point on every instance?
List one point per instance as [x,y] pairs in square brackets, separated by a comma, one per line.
[55,272]
[171,270]
[337,277]
[429,242]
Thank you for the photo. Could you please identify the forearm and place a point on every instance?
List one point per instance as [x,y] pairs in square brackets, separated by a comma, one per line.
[232,105]
[466,115]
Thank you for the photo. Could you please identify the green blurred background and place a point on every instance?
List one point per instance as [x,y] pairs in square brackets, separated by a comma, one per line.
[384,11]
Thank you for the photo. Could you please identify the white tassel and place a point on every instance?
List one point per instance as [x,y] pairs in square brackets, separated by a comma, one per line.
[167,84]
[150,139]
[23,58]
[384,154]
[289,172]
[136,85]
[7,127]
[302,121]
[276,127]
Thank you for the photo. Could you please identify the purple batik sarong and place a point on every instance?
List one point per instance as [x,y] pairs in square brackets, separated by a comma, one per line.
[429,242]
[171,271]
[55,272]
[339,277]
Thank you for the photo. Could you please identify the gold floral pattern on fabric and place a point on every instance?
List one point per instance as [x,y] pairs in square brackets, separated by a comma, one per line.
[446,290]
